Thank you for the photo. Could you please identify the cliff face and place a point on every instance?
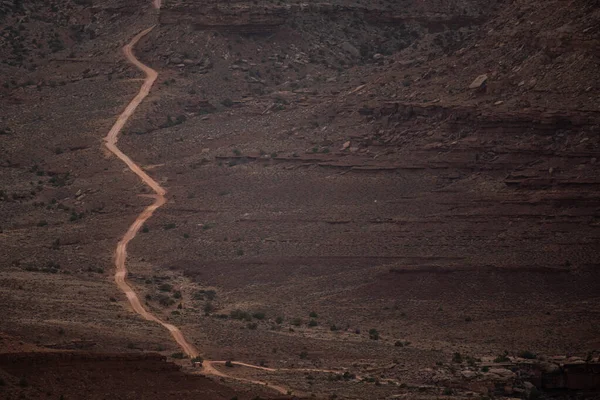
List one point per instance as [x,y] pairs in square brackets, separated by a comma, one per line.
[250,17]
[237,19]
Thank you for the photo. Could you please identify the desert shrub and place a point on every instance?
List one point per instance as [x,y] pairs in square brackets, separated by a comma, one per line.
[252,325]
[502,358]
[170,226]
[209,308]
[177,294]
[279,320]
[457,358]
[296,321]
[312,323]
[178,356]
[259,315]
[472,360]
[165,287]
[228,364]
[227,102]
[240,315]
[399,343]
[485,369]
[333,328]
[348,376]
[165,300]
[145,229]
[303,355]
[527,354]
[313,314]
[373,334]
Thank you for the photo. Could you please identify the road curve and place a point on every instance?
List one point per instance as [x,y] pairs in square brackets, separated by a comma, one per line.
[159,197]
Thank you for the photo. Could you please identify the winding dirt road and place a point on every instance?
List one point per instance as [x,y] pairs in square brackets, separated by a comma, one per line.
[159,200]
[159,197]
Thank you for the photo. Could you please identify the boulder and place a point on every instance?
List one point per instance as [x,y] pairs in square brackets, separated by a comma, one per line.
[501,373]
[479,82]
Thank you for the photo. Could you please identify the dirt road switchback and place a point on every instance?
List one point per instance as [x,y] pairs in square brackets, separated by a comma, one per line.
[159,197]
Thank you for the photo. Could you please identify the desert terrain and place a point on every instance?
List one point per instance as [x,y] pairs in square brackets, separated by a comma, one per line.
[284,199]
